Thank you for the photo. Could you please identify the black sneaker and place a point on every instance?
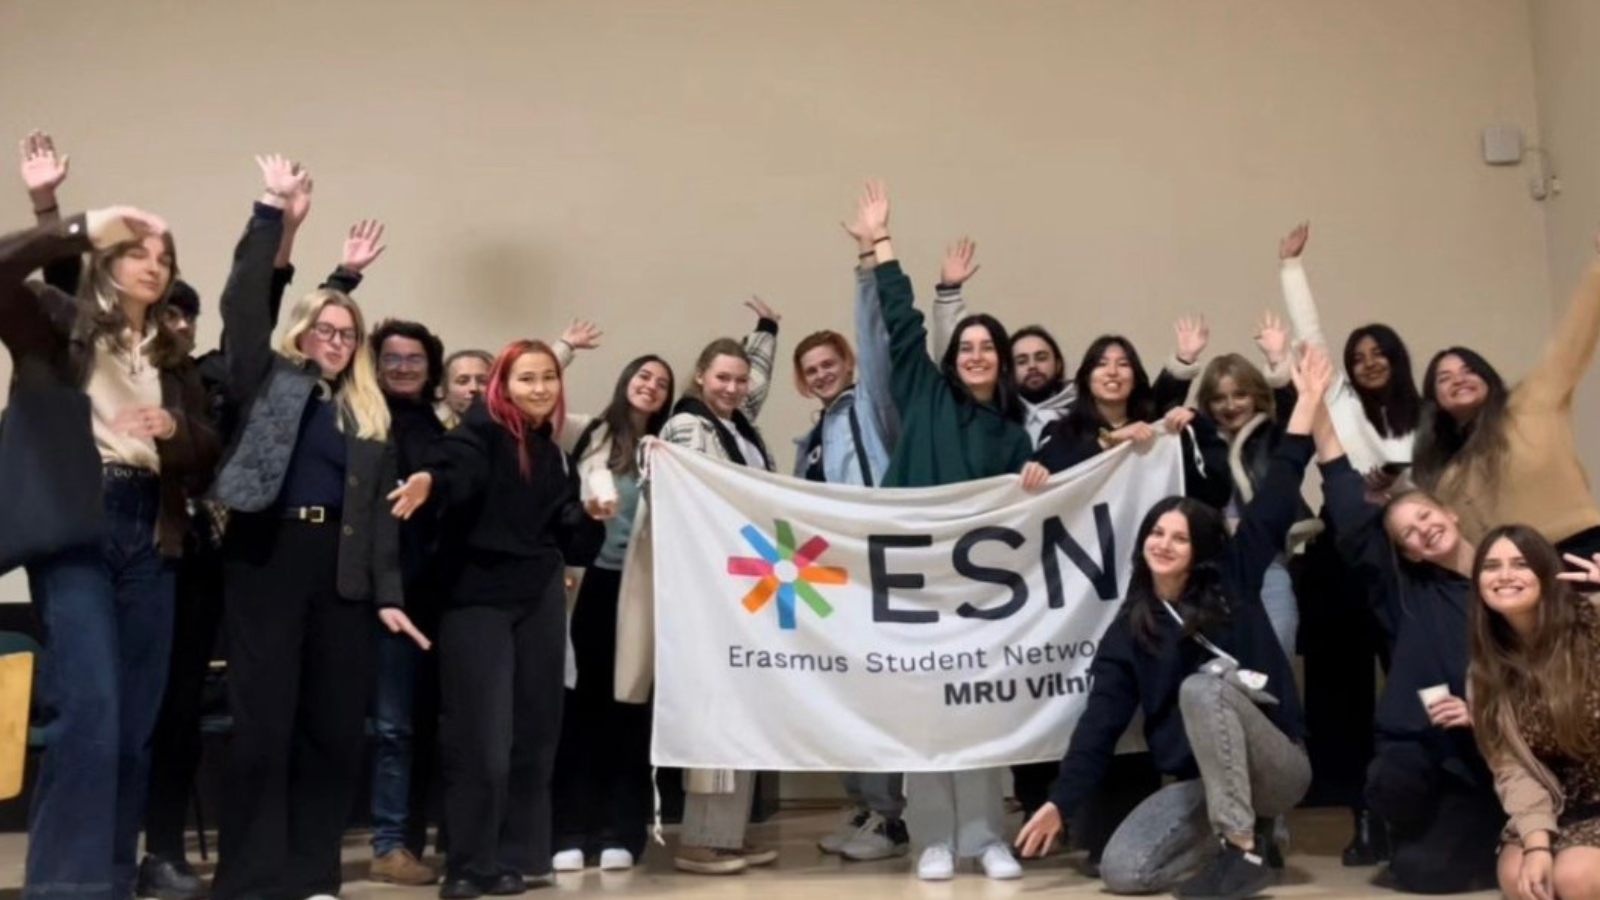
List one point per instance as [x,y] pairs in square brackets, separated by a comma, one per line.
[1267,843]
[168,879]
[1233,874]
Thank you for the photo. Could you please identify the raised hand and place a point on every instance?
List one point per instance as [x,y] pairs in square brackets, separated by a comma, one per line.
[1588,570]
[581,334]
[116,224]
[411,495]
[1193,334]
[1294,243]
[1272,336]
[281,178]
[298,204]
[760,308]
[958,265]
[362,245]
[1314,372]
[42,170]
[872,210]
[395,619]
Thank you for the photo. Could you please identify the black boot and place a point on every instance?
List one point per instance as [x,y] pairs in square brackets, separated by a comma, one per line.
[168,879]
[1369,845]
[1267,843]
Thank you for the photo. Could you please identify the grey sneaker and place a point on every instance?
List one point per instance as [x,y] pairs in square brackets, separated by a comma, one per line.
[836,839]
[878,838]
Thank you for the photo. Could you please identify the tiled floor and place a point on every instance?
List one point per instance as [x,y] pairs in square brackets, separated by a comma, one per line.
[802,873]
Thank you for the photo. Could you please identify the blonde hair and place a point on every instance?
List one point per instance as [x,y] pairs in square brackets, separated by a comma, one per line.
[356,388]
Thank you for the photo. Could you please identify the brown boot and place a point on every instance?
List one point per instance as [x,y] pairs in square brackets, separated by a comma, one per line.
[709,860]
[400,867]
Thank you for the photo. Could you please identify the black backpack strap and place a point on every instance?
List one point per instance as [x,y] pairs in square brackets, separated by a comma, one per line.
[861,450]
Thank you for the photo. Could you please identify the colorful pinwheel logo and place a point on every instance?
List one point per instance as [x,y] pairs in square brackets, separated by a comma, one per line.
[786,572]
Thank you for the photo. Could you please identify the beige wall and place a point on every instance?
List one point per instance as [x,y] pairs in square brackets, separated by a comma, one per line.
[649,164]
[1566,42]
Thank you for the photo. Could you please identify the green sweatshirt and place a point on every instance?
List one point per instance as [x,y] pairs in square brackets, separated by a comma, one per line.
[946,437]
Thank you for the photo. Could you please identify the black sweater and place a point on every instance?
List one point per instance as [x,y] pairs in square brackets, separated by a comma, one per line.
[1423,610]
[504,536]
[414,427]
[1128,677]
[1205,457]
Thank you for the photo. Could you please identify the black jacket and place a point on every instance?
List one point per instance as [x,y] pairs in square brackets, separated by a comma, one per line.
[49,467]
[1127,677]
[414,426]
[504,536]
[1205,458]
[271,393]
[1423,610]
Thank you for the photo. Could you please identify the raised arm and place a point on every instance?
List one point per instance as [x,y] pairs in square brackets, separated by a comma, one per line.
[949,306]
[911,371]
[1297,299]
[247,308]
[30,313]
[1172,383]
[761,345]
[873,396]
[1571,347]
[43,172]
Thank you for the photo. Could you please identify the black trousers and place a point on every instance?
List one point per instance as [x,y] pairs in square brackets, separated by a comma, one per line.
[299,675]
[604,797]
[175,747]
[1131,778]
[1444,826]
[1339,640]
[501,672]
[427,783]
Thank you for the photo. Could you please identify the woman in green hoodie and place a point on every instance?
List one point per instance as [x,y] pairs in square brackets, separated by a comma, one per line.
[960,421]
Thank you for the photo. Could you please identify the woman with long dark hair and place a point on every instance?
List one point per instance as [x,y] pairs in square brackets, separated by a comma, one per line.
[1194,651]
[603,788]
[1500,455]
[1534,691]
[108,409]
[511,519]
[960,420]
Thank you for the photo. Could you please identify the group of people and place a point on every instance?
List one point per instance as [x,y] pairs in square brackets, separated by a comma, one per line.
[381,533]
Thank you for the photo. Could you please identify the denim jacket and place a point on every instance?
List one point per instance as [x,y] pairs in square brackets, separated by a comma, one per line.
[877,421]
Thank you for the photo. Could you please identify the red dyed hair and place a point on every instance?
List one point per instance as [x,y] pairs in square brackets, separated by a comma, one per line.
[505,412]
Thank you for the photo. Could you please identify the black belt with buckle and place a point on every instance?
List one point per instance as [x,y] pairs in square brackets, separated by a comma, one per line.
[122,472]
[311,515]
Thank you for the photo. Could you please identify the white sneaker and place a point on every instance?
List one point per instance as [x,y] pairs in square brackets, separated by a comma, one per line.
[937,863]
[838,837]
[615,859]
[999,864]
[567,861]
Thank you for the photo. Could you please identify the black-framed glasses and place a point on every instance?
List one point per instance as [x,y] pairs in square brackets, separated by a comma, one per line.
[328,333]
[403,361]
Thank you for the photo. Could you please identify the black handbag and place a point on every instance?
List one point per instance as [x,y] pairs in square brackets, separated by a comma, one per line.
[50,491]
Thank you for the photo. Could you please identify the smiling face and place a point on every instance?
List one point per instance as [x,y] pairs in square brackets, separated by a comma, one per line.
[1111,379]
[1167,548]
[403,366]
[649,388]
[466,378]
[1506,581]
[1423,531]
[330,342]
[1458,390]
[825,372]
[1369,365]
[724,384]
[977,360]
[143,271]
[1231,406]
[534,385]
[1036,365]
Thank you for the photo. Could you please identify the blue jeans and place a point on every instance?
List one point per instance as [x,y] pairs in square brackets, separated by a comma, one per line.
[1283,610]
[392,697]
[107,617]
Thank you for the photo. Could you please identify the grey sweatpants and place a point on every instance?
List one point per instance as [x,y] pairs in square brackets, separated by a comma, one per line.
[881,792]
[719,820]
[963,810]
[1248,769]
